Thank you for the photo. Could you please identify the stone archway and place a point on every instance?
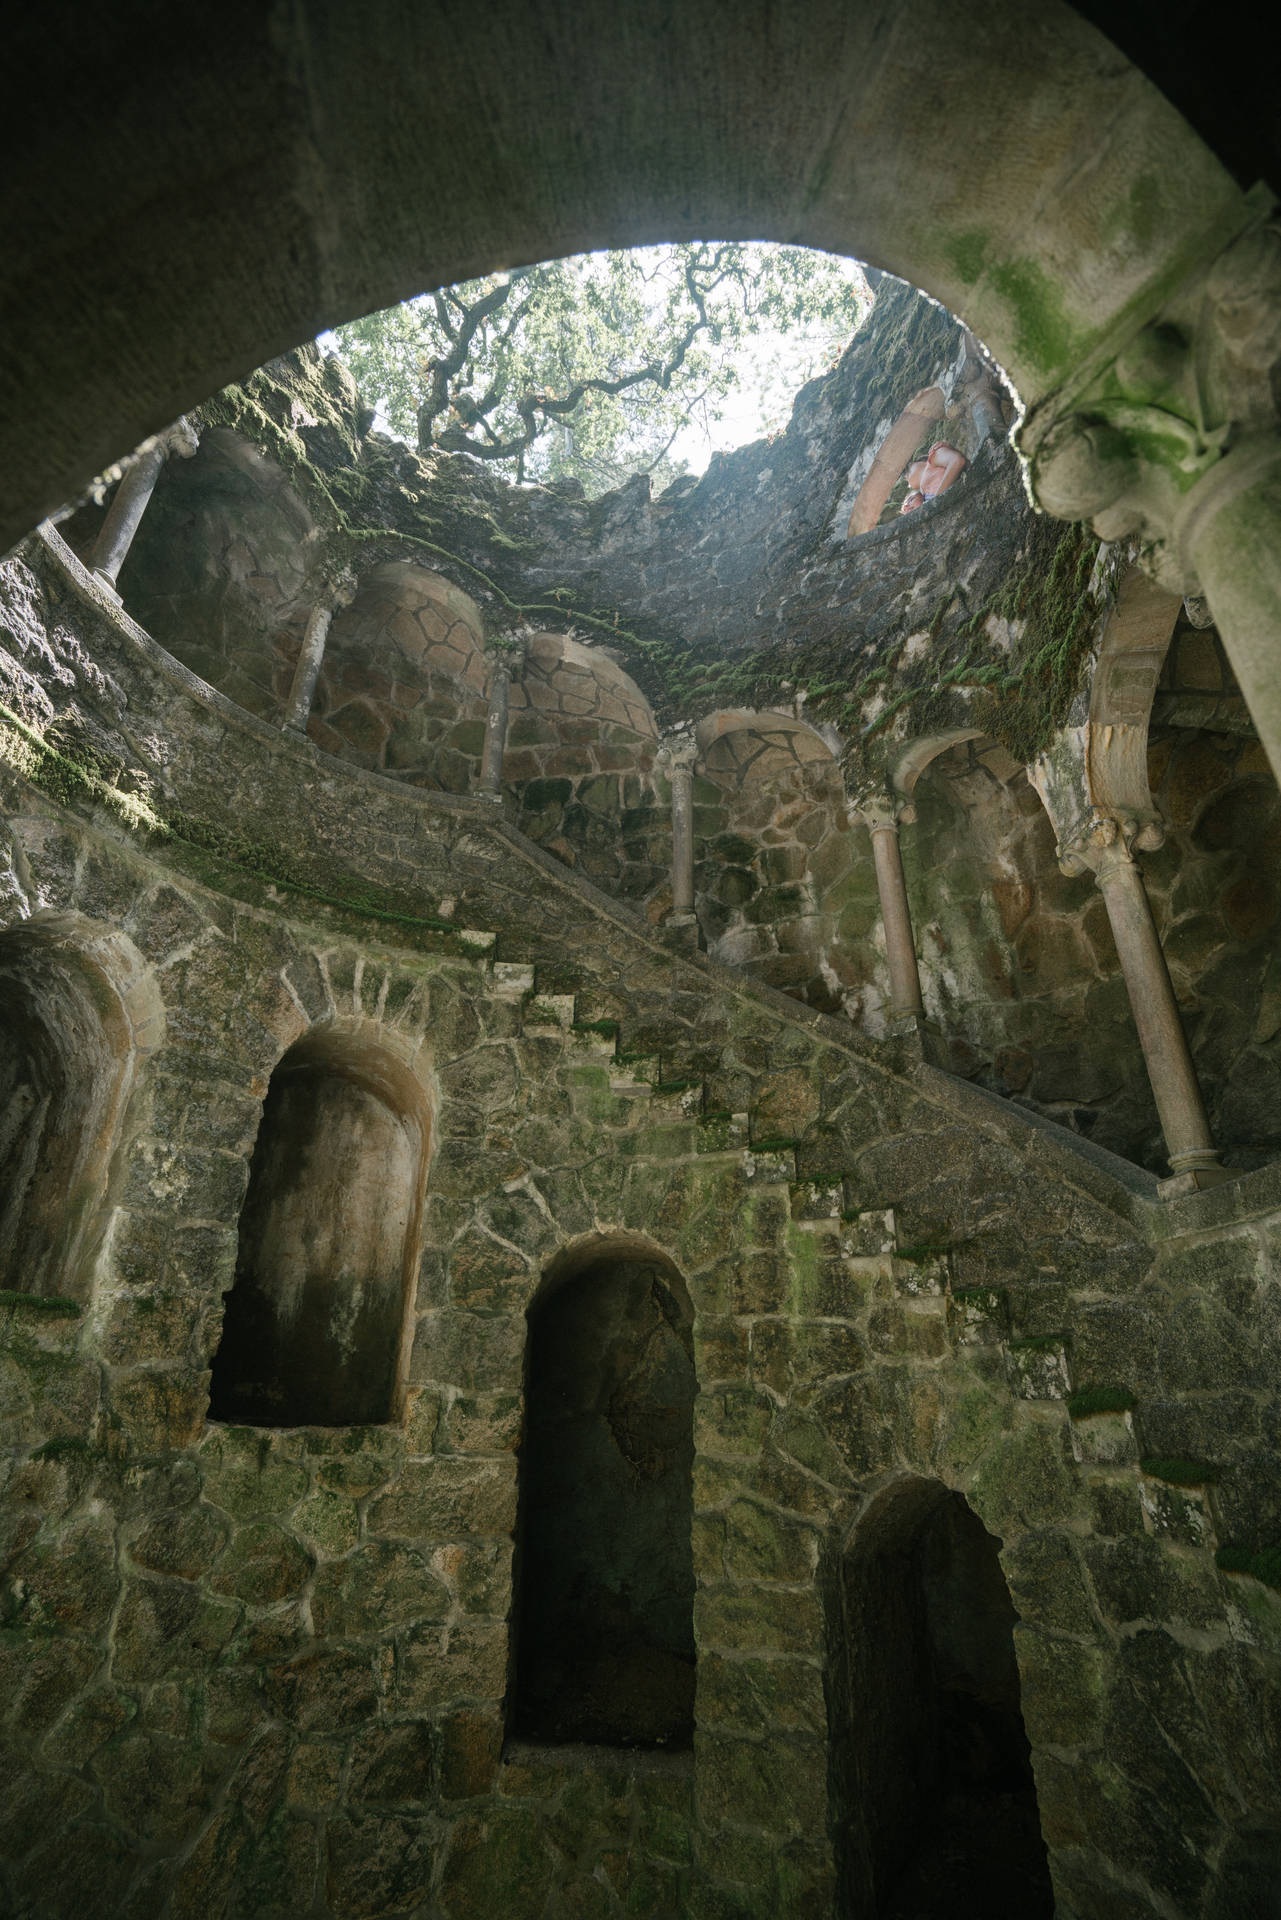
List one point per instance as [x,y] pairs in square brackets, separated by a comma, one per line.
[604,1565]
[291,171]
[79,1016]
[315,1330]
[932,1801]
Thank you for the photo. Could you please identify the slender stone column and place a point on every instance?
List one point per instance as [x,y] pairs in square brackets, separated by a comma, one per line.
[676,759]
[338,593]
[132,496]
[491,760]
[882,813]
[1230,540]
[1103,847]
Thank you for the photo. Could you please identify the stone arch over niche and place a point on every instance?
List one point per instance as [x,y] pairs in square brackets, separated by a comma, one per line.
[705,123]
[79,1014]
[604,1572]
[779,876]
[316,1324]
[1014,956]
[581,743]
[224,569]
[402,688]
[932,1802]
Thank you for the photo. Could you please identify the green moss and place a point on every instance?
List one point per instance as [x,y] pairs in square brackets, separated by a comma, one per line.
[919,1251]
[774,1143]
[1180,1473]
[608,1028]
[65,1447]
[1025,694]
[967,252]
[1264,1565]
[1038,1343]
[1090,1400]
[55,1305]
[1043,333]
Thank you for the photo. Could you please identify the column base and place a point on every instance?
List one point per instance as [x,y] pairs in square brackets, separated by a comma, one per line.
[107,585]
[681,931]
[927,1034]
[1192,1180]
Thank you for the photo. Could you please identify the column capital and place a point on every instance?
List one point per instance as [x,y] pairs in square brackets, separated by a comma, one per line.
[677,753]
[881,809]
[181,440]
[510,644]
[1103,841]
[1133,442]
[339,588]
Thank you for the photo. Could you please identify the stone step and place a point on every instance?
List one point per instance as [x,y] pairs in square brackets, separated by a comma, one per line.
[512,979]
[547,1012]
[637,1071]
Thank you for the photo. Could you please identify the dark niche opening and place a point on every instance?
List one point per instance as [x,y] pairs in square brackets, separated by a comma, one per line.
[932,1798]
[65,1071]
[604,1647]
[314,1328]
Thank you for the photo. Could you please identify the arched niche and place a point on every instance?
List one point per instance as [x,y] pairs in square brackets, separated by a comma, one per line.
[775,856]
[224,569]
[604,1643]
[932,1801]
[402,688]
[79,1012]
[316,1326]
[581,742]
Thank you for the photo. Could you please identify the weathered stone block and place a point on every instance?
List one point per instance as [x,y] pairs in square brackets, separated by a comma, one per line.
[756,1619]
[377,1587]
[445,1497]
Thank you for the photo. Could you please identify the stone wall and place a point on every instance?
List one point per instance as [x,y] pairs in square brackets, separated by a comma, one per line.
[264,1671]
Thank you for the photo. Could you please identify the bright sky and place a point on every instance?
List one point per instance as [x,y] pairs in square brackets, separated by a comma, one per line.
[773,369]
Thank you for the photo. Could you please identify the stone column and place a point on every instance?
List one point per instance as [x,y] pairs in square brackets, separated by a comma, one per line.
[676,759]
[882,813]
[491,760]
[131,498]
[336,594]
[1104,847]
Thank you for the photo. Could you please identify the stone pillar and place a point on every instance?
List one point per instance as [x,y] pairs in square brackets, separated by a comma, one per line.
[337,593]
[1104,847]
[1230,539]
[131,498]
[882,813]
[491,760]
[676,759]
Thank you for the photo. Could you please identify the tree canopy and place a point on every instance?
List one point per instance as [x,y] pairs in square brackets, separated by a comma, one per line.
[596,367]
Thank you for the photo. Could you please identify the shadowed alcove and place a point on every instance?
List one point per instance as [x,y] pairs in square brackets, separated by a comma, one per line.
[75,1013]
[315,1324]
[604,1648]
[932,1801]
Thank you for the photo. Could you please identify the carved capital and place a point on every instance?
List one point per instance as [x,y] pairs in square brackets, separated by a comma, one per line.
[1128,443]
[181,440]
[678,753]
[340,589]
[880,809]
[1105,840]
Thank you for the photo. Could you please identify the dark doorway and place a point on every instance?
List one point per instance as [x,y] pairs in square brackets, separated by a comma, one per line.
[605,1576]
[933,1802]
[314,1326]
